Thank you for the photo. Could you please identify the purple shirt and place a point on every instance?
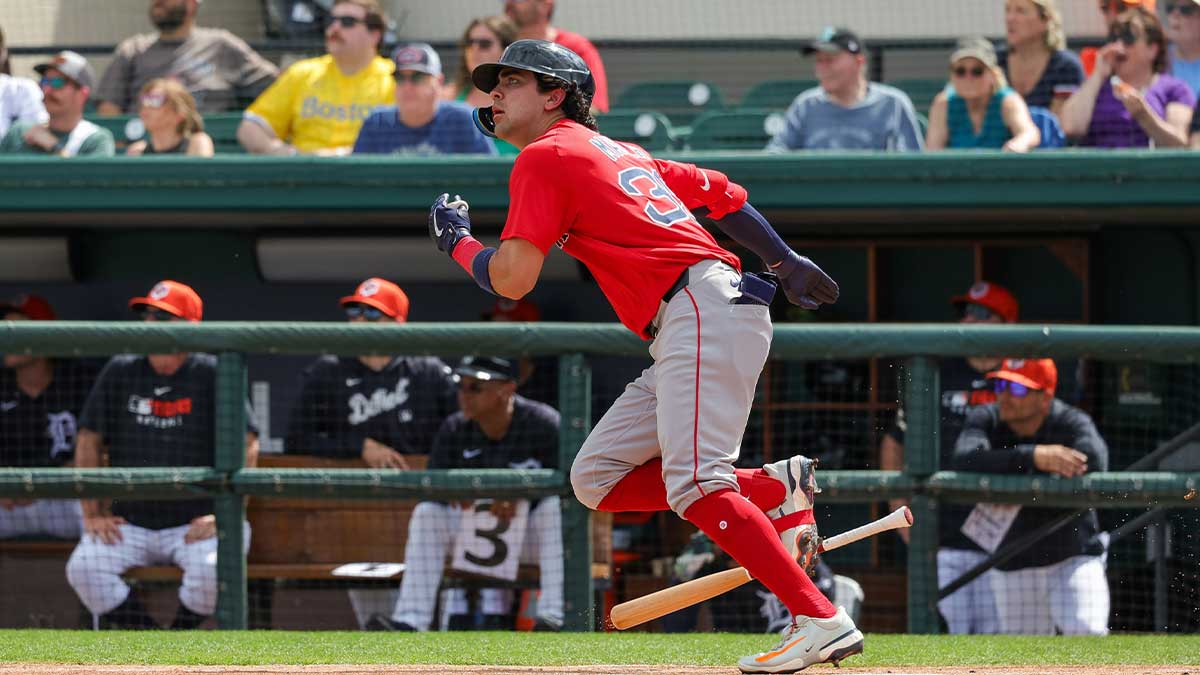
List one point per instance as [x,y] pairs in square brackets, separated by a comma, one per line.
[1112,125]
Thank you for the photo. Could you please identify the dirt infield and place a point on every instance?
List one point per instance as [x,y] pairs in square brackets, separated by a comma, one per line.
[45,669]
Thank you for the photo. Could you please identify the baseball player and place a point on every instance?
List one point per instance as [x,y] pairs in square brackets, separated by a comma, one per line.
[671,439]
[377,407]
[1057,586]
[40,400]
[151,410]
[495,429]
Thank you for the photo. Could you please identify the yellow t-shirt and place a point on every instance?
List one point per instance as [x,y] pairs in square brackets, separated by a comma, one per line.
[313,106]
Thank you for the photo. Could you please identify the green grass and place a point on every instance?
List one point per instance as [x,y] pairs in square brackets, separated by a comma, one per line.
[529,649]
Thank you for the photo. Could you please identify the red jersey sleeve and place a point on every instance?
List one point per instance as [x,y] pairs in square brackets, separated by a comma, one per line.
[702,187]
[538,198]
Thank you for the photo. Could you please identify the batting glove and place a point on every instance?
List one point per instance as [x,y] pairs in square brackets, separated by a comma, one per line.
[804,283]
[449,222]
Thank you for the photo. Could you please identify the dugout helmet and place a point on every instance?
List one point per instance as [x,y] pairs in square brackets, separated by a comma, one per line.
[535,56]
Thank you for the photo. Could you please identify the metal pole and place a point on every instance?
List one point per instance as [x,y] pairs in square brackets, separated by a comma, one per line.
[575,405]
[922,391]
[1161,582]
[230,508]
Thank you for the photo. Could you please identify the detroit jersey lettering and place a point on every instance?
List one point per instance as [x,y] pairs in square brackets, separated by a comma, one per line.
[635,234]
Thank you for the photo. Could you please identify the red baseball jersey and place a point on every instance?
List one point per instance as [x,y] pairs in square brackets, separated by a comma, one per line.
[617,210]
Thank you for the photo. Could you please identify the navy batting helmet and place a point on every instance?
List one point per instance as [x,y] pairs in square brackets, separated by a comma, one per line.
[537,56]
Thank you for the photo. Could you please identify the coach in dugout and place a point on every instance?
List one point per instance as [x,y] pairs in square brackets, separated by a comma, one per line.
[377,407]
[496,429]
[145,411]
[318,105]
[1058,585]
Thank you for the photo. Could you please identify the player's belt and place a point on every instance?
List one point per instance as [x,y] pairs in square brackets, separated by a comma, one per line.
[679,285]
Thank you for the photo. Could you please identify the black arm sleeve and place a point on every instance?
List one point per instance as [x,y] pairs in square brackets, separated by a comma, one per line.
[973,450]
[749,228]
[1087,439]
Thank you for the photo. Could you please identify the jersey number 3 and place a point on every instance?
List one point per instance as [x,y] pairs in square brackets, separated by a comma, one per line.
[662,206]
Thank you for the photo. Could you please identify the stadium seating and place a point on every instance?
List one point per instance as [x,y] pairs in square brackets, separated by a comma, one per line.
[680,100]
[221,126]
[734,130]
[921,92]
[774,94]
[649,129]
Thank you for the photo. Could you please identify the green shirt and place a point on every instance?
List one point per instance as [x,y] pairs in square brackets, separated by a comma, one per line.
[98,143]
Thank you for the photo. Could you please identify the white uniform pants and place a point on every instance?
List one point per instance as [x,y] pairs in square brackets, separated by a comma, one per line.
[95,568]
[972,608]
[431,535]
[1069,597]
[49,517]
[691,406]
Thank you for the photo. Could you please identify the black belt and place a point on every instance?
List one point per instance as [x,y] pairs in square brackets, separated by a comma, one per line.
[679,285]
[753,288]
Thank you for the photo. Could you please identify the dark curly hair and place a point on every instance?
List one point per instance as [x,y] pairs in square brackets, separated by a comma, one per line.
[577,106]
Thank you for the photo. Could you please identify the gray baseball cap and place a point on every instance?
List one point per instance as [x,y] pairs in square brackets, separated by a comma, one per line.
[71,64]
[975,48]
[417,56]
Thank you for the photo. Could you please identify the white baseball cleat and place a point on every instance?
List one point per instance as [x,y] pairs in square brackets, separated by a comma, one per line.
[807,641]
[798,475]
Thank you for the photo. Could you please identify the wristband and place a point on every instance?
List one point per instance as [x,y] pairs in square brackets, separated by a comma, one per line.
[474,258]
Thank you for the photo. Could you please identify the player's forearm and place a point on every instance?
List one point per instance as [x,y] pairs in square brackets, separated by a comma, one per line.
[749,228]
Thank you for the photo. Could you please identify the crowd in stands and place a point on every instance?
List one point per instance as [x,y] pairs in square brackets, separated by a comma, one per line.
[1138,90]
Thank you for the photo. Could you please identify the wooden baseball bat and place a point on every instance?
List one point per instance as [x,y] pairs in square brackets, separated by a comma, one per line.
[660,603]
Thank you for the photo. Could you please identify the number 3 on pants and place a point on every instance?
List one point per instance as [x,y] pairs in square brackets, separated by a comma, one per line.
[635,178]
[489,545]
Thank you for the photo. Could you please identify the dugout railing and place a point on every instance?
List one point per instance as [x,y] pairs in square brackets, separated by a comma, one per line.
[921,479]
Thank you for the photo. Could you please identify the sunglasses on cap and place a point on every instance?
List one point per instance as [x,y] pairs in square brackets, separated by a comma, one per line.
[1124,35]
[414,76]
[978,312]
[963,71]
[148,313]
[1184,8]
[1015,388]
[152,100]
[344,21]
[482,43]
[364,312]
[54,82]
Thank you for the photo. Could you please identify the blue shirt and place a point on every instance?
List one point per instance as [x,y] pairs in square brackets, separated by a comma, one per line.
[883,120]
[1062,76]
[1188,71]
[451,131]
[994,133]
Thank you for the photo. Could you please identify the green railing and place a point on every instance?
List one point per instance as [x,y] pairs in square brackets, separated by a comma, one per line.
[921,478]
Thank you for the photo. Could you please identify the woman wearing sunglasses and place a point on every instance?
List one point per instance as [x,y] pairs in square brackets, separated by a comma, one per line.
[173,125]
[1035,59]
[483,41]
[1129,101]
[1183,32]
[978,109]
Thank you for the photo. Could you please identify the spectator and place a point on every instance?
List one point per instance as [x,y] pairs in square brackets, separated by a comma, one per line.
[40,400]
[538,376]
[1111,9]
[495,429]
[173,125]
[979,109]
[1183,32]
[376,407]
[1129,101]
[964,386]
[216,67]
[483,42]
[1057,586]
[66,83]
[846,112]
[1035,59]
[318,105]
[145,411]
[20,98]
[420,123]
[533,22]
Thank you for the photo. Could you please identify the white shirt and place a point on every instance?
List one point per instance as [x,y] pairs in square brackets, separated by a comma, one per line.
[20,99]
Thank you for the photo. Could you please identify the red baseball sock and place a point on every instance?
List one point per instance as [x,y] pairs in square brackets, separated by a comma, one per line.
[746,534]
[643,489]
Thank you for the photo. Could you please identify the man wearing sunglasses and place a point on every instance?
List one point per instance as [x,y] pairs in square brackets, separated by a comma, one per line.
[154,410]
[533,23]
[1057,585]
[318,105]
[1183,32]
[217,67]
[421,123]
[496,428]
[964,386]
[66,82]
[376,407]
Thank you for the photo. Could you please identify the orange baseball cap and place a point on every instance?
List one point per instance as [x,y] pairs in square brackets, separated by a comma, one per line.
[381,294]
[514,310]
[173,297]
[1040,374]
[33,306]
[993,296]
